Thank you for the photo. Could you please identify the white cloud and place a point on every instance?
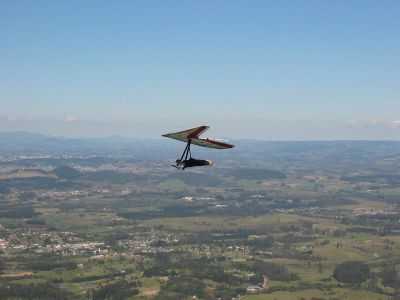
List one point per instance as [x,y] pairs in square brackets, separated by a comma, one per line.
[70,119]
[396,124]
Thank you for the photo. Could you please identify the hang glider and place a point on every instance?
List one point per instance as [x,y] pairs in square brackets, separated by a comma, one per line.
[192,136]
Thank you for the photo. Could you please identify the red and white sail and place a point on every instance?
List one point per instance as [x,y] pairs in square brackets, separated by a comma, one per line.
[193,135]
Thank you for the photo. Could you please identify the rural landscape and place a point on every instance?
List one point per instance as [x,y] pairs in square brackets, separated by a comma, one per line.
[109,218]
[200,150]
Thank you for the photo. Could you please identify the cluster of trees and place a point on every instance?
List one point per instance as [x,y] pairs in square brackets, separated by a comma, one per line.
[114,237]
[118,290]
[187,275]
[180,287]
[40,291]
[66,172]
[227,292]
[273,271]
[48,263]
[352,272]
[261,243]
[3,265]
[355,273]
[201,268]
[183,287]
[36,221]
[391,276]
[18,212]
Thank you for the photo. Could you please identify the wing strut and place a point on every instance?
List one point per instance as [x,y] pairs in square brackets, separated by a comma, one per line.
[186,152]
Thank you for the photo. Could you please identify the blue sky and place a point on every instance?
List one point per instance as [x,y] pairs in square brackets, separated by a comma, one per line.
[258,69]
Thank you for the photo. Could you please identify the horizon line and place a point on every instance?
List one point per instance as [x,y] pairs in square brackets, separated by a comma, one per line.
[161,138]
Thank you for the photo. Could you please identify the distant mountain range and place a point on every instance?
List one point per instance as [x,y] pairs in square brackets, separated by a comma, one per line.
[20,143]
[25,143]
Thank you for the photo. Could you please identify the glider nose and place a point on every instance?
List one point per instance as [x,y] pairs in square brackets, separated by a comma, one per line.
[210,162]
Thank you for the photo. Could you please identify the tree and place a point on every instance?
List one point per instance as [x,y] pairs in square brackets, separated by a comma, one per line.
[184,285]
[2,265]
[352,272]
[118,290]
[391,276]
[320,268]
[273,271]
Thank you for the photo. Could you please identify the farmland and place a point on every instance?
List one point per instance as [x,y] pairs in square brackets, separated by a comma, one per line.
[112,227]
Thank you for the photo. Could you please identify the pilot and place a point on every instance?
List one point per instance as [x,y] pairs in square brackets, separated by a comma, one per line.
[191,162]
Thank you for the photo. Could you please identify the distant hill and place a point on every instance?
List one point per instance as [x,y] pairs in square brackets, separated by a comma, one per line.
[29,144]
[32,143]
[262,156]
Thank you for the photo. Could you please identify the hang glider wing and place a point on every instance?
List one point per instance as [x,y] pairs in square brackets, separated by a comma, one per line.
[211,144]
[193,135]
[185,135]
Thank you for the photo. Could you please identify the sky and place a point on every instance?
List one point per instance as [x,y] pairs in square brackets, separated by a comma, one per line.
[270,70]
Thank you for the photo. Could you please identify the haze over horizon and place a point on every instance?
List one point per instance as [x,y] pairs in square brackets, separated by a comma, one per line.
[275,71]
